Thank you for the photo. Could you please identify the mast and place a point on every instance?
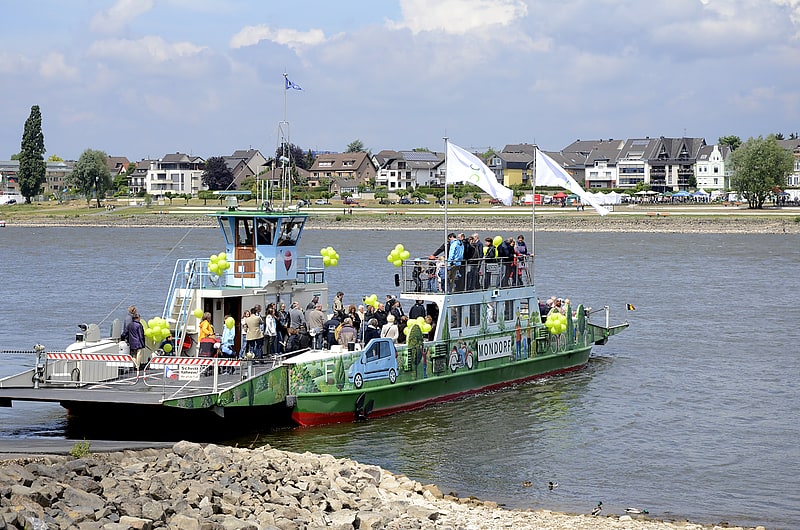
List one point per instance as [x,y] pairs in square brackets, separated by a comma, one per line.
[286,154]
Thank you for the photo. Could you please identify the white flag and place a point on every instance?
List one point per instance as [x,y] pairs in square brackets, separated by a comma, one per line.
[463,166]
[549,173]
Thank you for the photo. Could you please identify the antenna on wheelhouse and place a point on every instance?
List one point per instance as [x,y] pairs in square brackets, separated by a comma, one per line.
[286,153]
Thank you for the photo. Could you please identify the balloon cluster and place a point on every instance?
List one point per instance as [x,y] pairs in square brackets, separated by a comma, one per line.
[419,321]
[556,323]
[397,255]
[372,300]
[157,329]
[218,263]
[330,258]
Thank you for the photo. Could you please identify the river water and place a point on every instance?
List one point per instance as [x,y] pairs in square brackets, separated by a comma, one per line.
[690,413]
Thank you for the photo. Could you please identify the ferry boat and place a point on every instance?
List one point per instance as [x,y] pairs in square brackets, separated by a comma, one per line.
[484,336]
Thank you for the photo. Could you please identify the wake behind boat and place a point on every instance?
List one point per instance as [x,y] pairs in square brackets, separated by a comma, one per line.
[487,333]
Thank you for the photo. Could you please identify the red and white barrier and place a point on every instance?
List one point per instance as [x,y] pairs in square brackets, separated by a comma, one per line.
[102,357]
[194,361]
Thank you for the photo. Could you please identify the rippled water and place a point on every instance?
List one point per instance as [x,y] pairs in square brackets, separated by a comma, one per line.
[690,413]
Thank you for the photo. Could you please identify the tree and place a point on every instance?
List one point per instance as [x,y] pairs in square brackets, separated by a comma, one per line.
[205,195]
[91,175]
[54,158]
[217,175]
[294,153]
[759,166]
[31,157]
[778,136]
[356,146]
[734,142]
[458,194]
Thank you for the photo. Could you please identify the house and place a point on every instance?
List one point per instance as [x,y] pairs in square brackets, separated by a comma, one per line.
[710,169]
[601,164]
[672,167]
[632,166]
[512,164]
[402,170]
[56,177]
[793,146]
[117,165]
[330,167]
[177,173]
[246,163]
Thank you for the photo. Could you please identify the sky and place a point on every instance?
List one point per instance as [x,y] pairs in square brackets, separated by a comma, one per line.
[143,78]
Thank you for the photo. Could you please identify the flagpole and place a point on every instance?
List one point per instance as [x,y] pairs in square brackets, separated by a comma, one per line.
[446,253]
[533,212]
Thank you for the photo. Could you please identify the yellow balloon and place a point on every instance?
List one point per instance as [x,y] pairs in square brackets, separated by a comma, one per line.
[497,241]
[167,347]
[198,313]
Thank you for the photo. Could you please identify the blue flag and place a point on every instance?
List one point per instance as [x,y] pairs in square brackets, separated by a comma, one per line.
[289,85]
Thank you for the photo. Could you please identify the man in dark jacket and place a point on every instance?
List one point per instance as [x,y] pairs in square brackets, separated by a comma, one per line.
[417,310]
[330,330]
[504,256]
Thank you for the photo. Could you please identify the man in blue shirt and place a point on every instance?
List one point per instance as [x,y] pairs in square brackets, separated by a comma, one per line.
[455,259]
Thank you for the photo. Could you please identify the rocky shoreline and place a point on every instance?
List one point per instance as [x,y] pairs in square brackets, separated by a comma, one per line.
[657,222]
[191,486]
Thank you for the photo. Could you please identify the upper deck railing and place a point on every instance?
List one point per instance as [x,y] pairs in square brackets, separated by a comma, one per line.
[423,275]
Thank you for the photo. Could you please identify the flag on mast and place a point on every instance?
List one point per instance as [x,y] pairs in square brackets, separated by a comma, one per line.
[289,84]
[549,173]
[463,166]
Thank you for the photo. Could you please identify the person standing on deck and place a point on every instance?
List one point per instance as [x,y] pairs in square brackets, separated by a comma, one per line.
[454,261]
[252,325]
[134,335]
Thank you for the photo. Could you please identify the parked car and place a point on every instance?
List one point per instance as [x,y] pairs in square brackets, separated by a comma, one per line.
[423,201]
[385,201]
[406,200]
[320,201]
[350,200]
[495,202]
[471,201]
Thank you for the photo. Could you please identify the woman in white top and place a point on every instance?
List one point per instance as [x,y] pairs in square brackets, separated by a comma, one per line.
[389,330]
[270,331]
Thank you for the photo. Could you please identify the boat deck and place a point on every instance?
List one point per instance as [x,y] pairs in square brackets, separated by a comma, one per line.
[148,387]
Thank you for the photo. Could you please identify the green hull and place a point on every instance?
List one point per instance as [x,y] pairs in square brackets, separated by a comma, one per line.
[432,377]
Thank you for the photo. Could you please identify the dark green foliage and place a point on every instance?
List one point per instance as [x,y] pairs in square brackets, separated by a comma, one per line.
[295,154]
[31,157]
[217,175]
[760,166]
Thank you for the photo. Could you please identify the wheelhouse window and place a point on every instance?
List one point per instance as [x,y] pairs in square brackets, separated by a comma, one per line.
[265,231]
[290,231]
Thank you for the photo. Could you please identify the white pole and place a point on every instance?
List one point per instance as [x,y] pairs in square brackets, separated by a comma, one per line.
[446,256]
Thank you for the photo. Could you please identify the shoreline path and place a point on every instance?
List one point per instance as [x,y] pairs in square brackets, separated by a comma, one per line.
[625,218]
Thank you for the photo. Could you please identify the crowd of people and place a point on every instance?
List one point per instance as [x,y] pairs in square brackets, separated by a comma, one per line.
[277,330]
[469,263]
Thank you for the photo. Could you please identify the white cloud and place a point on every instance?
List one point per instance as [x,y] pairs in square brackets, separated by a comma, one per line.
[147,50]
[54,66]
[458,17]
[13,63]
[119,15]
[291,38]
